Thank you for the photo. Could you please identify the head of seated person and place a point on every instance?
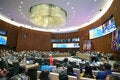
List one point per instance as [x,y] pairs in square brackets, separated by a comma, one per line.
[65,60]
[88,71]
[3,69]
[46,63]
[83,59]
[3,72]
[112,77]
[63,76]
[116,67]
[103,60]
[106,66]
[55,61]
[44,75]
[3,63]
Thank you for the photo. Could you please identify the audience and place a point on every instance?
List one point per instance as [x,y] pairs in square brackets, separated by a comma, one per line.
[107,71]
[14,56]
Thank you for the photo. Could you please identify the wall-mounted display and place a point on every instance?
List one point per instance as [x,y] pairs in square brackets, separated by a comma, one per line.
[104,29]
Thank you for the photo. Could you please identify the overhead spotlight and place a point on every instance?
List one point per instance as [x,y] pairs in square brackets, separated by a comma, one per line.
[100,9]
[12,19]
[57,29]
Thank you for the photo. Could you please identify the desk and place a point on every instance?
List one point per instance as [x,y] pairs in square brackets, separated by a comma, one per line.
[84,56]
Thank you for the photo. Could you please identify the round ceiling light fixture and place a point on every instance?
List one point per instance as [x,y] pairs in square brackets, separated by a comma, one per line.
[48,15]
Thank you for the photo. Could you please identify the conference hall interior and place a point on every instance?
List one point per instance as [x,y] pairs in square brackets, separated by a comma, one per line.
[59,39]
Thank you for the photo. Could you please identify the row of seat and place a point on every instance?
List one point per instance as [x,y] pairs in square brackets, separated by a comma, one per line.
[55,76]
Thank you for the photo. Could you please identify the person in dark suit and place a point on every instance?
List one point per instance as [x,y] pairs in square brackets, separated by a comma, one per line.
[63,76]
[88,71]
[107,71]
[44,75]
[66,62]
[70,71]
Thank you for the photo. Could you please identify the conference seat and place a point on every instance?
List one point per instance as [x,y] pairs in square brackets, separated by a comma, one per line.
[55,76]
[96,71]
[76,71]
[116,73]
[38,74]
[84,78]
[72,78]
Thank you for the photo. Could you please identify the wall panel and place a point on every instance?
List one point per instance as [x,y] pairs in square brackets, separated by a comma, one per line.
[12,32]
[33,40]
[64,35]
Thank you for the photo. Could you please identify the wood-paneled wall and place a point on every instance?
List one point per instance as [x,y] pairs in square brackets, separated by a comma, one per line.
[12,33]
[33,40]
[102,44]
[65,35]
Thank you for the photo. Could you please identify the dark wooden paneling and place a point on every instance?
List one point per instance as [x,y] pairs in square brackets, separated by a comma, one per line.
[65,35]
[12,32]
[12,35]
[34,40]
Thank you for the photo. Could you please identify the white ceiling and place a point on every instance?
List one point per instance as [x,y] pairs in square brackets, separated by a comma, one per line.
[79,12]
